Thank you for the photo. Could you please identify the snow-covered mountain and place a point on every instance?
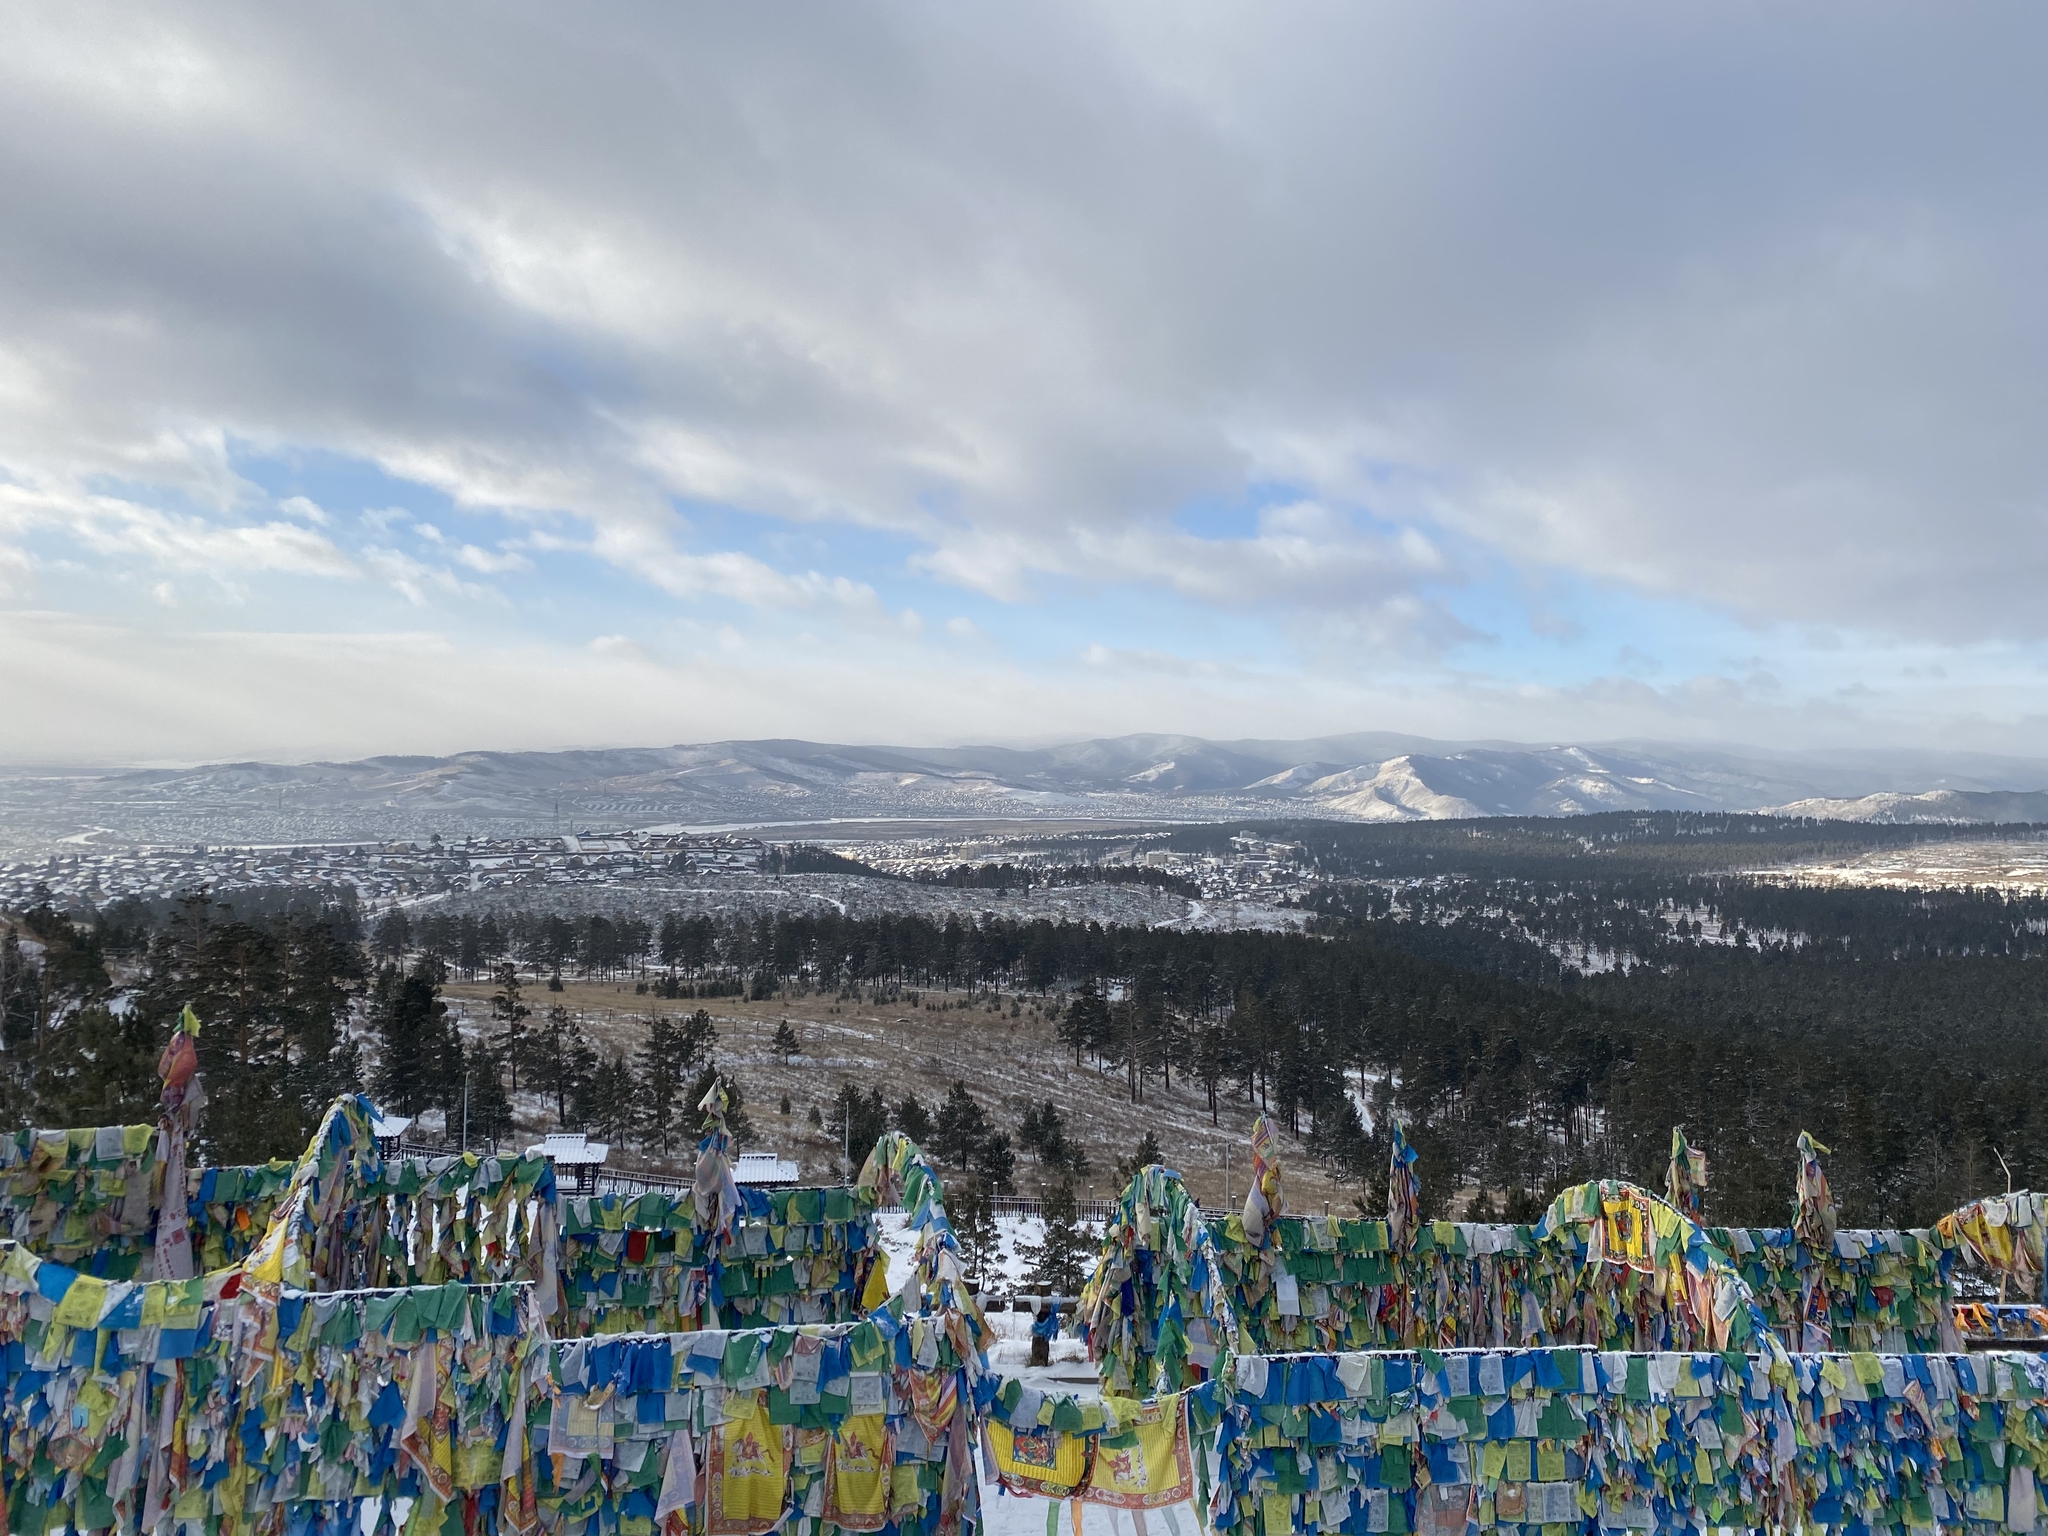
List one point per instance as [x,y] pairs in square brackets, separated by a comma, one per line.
[1366,777]
[1934,806]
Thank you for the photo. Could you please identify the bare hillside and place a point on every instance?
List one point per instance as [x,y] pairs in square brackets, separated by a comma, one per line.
[1007,1060]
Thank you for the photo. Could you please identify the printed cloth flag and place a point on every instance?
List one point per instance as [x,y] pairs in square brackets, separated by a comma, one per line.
[182,1098]
[1444,1509]
[2005,1234]
[1145,1464]
[1627,1229]
[857,1473]
[1816,1221]
[749,1472]
[1038,1463]
[1686,1180]
[1404,1193]
[1263,1202]
[715,1194]
[179,1061]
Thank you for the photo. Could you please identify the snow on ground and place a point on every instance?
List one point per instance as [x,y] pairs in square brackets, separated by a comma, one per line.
[1006,1515]
[1014,1234]
[1071,1371]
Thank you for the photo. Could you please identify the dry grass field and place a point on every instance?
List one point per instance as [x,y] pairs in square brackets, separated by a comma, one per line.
[1008,1056]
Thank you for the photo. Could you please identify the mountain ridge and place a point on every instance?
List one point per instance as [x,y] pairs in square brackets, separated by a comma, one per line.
[1364,776]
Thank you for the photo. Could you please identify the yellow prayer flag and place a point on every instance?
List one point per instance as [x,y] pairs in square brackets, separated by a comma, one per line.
[1148,1465]
[749,1474]
[857,1474]
[906,1493]
[1040,1463]
[876,1294]
[81,1305]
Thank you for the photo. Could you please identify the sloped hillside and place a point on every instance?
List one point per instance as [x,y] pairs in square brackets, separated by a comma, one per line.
[1008,1062]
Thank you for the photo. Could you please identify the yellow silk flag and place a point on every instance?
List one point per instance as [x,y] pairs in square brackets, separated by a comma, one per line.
[1146,1464]
[857,1474]
[749,1470]
[1631,1236]
[1039,1463]
[81,1305]
[876,1294]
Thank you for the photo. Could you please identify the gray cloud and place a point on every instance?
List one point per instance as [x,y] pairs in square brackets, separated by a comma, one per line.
[1729,304]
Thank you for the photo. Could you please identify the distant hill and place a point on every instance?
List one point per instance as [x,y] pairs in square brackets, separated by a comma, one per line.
[1373,776]
[1946,806]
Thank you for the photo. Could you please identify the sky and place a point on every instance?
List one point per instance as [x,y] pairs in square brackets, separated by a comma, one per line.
[382,378]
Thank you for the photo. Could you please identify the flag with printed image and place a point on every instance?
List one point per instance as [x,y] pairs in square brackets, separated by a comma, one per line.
[1146,1464]
[1038,1463]
[857,1473]
[749,1471]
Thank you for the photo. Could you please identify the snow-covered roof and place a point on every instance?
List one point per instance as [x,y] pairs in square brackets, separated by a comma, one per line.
[385,1127]
[764,1168]
[572,1147]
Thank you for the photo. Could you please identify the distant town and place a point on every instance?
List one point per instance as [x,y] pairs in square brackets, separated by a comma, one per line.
[380,874]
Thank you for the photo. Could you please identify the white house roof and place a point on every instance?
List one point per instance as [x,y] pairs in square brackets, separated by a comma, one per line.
[572,1147]
[764,1168]
[385,1127]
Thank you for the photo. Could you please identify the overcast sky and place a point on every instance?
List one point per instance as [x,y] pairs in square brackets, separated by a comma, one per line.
[421,378]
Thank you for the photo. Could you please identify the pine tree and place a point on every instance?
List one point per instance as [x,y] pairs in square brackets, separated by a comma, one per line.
[1086,1024]
[394,935]
[1044,1133]
[411,1025]
[674,935]
[960,1129]
[605,1100]
[786,1042]
[1143,1156]
[667,1057]
[509,1014]
[995,1163]
[273,996]
[1341,1142]
[972,1214]
[490,1111]
[1212,1063]
[556,1057]
[856,1121]
[1061,1260]
[99,1068]
[913,1120]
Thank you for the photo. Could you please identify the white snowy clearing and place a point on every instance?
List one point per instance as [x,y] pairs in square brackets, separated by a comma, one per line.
[1071,1371]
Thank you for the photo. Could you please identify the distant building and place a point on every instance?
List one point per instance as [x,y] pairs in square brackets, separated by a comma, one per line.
[575,1156]
[765,1170]
[390,1132]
